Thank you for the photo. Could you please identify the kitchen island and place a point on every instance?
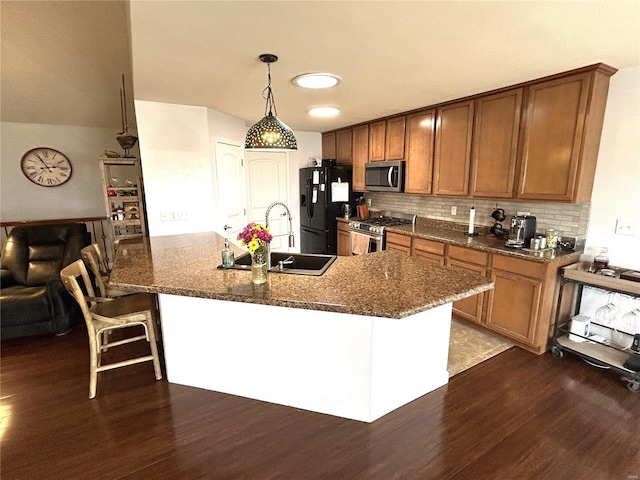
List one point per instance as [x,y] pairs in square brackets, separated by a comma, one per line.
[365,338]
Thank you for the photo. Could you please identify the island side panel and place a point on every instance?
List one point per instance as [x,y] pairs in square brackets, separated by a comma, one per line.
[314,360]
[410,358]
[308,359]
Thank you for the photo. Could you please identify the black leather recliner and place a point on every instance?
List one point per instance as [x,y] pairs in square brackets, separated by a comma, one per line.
[33,300]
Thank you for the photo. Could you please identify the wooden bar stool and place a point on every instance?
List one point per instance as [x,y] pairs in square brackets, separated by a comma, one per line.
[103,317]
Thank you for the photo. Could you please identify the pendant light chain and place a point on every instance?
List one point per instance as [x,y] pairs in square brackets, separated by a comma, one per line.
[270,106]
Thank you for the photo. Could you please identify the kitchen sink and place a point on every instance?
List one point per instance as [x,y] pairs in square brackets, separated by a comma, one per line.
[292,263]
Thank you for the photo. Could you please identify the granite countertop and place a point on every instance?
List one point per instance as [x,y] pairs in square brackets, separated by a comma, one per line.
[437,230]
[383,284]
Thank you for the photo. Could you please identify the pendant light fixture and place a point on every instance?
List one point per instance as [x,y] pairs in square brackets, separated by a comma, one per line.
[270,132]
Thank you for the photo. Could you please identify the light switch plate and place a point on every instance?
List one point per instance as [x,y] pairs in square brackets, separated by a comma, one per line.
[454,210]
[164,216]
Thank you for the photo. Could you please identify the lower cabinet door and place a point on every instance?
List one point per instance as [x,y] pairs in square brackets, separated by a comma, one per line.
[399,248]
[343,243]
[514,305]
[428,257]
[469,308]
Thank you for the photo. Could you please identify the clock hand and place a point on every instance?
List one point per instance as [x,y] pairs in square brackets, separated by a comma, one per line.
[46,166]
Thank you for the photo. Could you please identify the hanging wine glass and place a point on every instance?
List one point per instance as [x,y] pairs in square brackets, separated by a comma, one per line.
[626,327]
[607,313]
[631,320]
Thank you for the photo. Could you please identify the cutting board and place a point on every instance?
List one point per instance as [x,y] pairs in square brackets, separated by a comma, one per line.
[363,211]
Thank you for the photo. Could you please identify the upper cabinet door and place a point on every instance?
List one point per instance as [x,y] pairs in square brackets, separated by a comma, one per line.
[394,139]
[495,144]
[376,141]
[360,155]
[343,146]
[552,138]
[452,154]
[419,151]
[329,145]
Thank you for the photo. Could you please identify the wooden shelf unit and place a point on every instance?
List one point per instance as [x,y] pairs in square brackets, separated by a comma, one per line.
[125,210]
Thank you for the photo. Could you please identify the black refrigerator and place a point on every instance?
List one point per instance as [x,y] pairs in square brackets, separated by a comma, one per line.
[323,193]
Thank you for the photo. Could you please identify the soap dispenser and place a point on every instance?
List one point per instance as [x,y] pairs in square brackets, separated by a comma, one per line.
[227,253]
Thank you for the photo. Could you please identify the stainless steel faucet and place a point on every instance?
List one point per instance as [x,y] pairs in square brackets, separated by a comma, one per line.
[290,234]
[287,261]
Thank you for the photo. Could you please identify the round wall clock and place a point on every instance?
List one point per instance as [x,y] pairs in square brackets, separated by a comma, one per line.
[46,167]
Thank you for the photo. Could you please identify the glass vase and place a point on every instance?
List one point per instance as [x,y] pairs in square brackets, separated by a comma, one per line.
[259,266]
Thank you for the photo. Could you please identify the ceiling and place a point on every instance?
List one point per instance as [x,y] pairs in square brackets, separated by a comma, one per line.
[393,56]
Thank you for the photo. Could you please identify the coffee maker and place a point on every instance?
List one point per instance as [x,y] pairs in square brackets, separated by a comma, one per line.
[521,231]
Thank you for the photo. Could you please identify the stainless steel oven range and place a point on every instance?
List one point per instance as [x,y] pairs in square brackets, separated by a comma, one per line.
[368,236]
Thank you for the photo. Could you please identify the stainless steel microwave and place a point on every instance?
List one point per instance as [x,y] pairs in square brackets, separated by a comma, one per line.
[384,176]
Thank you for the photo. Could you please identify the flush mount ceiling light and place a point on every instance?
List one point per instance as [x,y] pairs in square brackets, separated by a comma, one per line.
[270,132]
[317,80]
[323,112]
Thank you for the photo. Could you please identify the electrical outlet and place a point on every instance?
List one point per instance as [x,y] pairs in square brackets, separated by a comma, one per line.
[164,216]
[625,227]
[184,216]
[454,210]
[174,216]
[369,201]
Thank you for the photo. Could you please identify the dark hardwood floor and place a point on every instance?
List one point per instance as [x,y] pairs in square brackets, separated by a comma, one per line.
[515,416]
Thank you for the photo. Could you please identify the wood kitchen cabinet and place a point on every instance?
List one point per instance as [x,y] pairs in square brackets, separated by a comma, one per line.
[428,250]
[452,153]
[469,308]
[329,145]
[386,139]
[344,239]
[495,144]
[425,249]
[522,303]
[394,139]
[419,151]
[360,155]
[561,136]
[343,147]
[515,302]
[377,132]
[537,140]
[398,243]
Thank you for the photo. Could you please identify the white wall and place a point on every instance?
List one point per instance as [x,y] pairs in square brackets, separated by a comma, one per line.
[177,148]
[177,159]
[616,191]
[81,196]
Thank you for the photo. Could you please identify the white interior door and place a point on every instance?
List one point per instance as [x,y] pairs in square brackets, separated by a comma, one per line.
[231,189]
[267,182]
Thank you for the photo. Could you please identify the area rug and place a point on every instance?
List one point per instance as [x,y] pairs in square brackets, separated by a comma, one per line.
[469,346]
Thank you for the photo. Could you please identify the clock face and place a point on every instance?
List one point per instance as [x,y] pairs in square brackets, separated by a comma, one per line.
[46,167]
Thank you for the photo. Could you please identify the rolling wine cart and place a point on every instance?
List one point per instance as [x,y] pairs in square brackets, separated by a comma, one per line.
[596,349]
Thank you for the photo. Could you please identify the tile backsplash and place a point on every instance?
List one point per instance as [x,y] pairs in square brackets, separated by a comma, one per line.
[567,219]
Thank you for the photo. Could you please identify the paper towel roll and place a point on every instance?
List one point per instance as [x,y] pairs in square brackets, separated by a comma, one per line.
[579,326]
